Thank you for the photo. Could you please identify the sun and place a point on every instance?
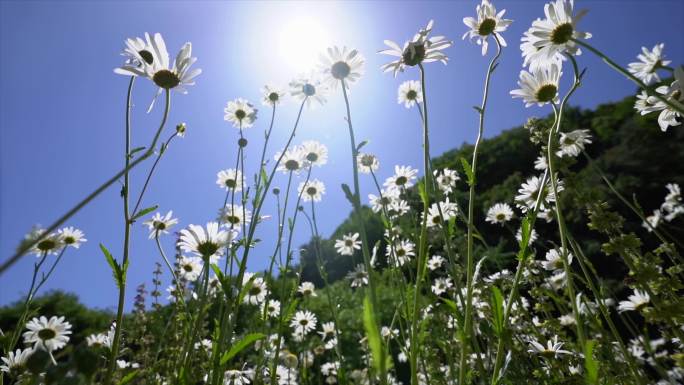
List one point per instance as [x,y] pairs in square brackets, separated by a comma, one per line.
[300,43]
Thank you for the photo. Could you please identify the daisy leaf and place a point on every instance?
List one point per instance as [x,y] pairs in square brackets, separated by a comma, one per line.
[238,347]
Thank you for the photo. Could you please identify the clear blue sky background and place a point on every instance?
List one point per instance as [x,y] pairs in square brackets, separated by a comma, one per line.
[62,122]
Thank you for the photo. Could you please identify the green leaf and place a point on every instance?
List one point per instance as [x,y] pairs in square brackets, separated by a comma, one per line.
[116,270]
[348,194]
[590,364]
[133,151]
[238,347]
[525,234]
[372,333]
[468,171]
[129,377]
[498,310]
[143,212]
[291,309]
[363,143]
[423,193]
[245,288]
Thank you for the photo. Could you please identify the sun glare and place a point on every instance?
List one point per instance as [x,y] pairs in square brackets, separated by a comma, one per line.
[300,43]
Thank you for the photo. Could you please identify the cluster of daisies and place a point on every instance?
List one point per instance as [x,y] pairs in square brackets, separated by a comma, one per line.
[671,208]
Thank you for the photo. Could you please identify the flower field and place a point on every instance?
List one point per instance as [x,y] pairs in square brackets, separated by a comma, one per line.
[543,255]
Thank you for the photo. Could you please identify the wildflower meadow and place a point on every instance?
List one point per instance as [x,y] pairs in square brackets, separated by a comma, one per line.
[530,257]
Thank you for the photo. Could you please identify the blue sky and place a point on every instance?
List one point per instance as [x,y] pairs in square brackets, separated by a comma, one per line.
[62,122]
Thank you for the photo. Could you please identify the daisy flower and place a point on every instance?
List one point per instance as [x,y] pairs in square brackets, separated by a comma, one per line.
[71,237]
[435,262]
[341,65]
[15,362]
[272,95]
[348,244]
[97,340]
[547,40]
[539,87]
[235,377]
[441,285]
[308,88]
[384,200]
[205,243]
[359,276]
[292,160]
[190,268]
[48,244]
[400,252]
[272,308]
[160,225]
[403,177]
[499,213]
[674,93]
[230,179]
[554,260]
[257,290]
[440,212]
[540,163]
[410,93]
[649,62]
[488,22]
[653,220]
[528,192]
[139,54]
[327,330]
[573,142]
[177,77]
[314,153]
[240,112]
[311,190]
[234,216]
[367,163]
[420,49]
[48,335]
[307,289]
[303,322]
[551,350]
[635,302]
[446,179]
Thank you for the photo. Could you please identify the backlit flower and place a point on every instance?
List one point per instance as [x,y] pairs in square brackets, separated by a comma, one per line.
[488,22]
[539,87]
[420,49]
[649,62]
[240,112]
[159,224]
[341,65]
[410,93]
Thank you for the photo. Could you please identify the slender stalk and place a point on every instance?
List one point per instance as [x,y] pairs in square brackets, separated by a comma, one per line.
[25,247]
[562,231]
[27,303]
[675,105]
[468,322]
[149,174]
[122,287]
[422,247]
[359,219]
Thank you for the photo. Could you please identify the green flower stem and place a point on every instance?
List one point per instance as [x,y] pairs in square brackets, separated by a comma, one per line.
[288,258]
[122,288]
[675,105]
[562,230]
[422,246]
[362,226]
[267,136]
[27,303]
[149,174]
[466,330]
[25,247]
[171,269]
[605,313]
[570,288]
[333,309]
